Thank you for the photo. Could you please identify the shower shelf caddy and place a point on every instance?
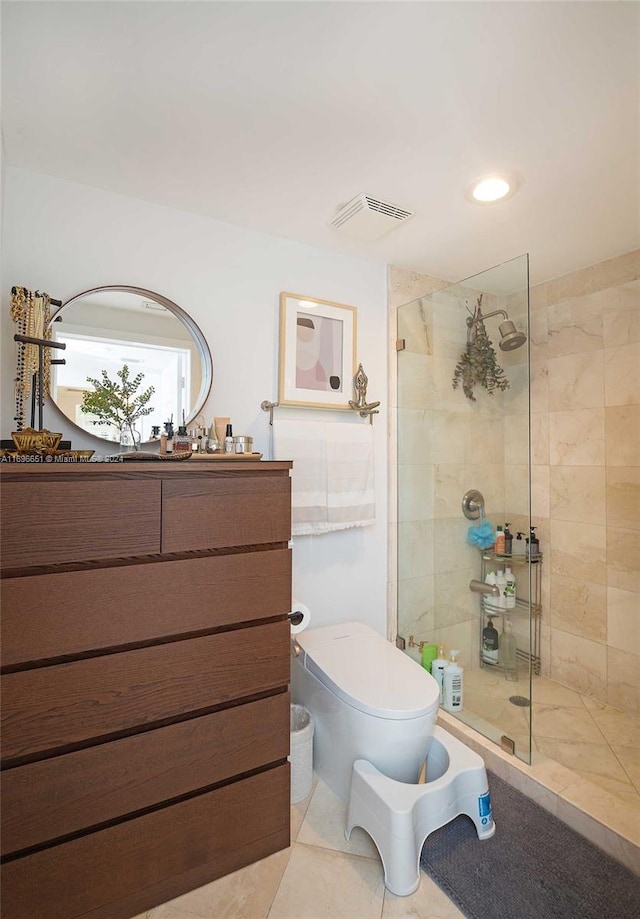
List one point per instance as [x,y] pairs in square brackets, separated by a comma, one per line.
[487,608]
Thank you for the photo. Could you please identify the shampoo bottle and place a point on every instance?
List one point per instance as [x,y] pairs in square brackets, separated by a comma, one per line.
[438,666]
[510,588]
[452,689]
[500,543]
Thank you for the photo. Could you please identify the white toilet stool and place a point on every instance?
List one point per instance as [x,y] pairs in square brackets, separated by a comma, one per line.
[400,816]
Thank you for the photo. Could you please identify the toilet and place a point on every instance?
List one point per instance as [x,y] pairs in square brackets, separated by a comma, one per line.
[374,712]
[368,701]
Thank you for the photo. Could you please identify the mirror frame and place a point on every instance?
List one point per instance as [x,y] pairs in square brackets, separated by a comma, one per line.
[179,313]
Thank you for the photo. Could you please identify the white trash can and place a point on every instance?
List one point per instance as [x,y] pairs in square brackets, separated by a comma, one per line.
[301,757]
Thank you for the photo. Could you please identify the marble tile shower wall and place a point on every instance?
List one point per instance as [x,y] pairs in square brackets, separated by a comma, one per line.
[585,403]
[585,450]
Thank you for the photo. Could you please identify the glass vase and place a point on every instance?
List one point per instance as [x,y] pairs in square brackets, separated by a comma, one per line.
[129,438]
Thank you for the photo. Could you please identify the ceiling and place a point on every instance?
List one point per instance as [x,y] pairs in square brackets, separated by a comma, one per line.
[274,115]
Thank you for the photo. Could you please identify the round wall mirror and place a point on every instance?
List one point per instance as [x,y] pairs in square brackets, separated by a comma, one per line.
[106,328]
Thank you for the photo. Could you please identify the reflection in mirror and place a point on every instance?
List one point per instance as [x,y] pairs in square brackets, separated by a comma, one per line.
[107,327]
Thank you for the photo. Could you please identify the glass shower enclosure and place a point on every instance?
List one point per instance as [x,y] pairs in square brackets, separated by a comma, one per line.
[463,451]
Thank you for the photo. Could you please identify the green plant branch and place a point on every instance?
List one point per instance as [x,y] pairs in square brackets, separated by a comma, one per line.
[114,402]
[478,364]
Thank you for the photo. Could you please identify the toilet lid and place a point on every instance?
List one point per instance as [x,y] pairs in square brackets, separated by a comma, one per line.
[367,672]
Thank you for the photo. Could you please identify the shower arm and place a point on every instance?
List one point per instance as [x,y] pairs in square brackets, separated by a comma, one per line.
[471,320]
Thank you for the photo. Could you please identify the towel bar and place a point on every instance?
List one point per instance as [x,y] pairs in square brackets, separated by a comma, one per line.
[361,406]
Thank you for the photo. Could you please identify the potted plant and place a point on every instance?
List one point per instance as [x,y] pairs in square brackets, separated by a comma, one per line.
[478,362]
[116,402]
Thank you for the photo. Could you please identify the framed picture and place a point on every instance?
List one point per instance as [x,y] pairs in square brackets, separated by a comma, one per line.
[317,358]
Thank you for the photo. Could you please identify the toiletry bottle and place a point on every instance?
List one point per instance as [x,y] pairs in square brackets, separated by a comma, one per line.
[508,540]
[213,444]
[490,579]
[181,440]
[508,650]
[510,588]
[501,584]
[428,655]
[499,549]
[163,443]
[490,642]
[438,666]
[168,426]
[533,544]
[228,439]
[452,689]
[519,545]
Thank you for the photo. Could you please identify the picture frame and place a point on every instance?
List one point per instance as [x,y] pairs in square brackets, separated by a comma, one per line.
[317,356]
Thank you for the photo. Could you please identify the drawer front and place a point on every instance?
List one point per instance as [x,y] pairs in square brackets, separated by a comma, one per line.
[56,797]
[53,708]
[122,870]
[233,511]
[53,615]
[45,523]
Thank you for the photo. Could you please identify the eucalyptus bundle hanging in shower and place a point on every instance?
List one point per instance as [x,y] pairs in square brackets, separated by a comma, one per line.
[478,362]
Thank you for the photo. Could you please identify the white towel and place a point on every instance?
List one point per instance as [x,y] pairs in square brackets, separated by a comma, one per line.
[332,482]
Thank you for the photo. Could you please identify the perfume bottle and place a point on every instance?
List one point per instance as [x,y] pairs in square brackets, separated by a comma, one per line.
[181,440]
[213,444]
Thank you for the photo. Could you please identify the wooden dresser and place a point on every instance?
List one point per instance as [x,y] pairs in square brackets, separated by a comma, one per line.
[145,671]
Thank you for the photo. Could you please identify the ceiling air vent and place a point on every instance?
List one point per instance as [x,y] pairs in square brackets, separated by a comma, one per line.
[365,218]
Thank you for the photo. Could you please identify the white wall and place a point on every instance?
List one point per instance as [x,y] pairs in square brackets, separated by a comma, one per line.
[63,238]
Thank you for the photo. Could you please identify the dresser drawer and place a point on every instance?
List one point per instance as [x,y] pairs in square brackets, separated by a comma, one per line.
[45,523]
[67,794]
[53,615]
[120,871]
[50,709]
[226,511]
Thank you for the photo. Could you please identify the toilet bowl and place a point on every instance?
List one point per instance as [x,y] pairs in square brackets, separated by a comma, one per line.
[369,701]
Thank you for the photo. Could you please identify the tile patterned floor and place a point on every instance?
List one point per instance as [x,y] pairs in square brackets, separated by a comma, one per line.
[320,876]
[582,750]
[597,742]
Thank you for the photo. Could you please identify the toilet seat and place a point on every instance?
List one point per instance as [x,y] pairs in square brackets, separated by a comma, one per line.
[368,672]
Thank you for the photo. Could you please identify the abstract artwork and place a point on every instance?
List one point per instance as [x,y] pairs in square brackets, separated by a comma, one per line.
[317,352]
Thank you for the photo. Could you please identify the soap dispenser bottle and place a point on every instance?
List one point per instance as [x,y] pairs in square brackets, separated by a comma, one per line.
[508,540]
[438,666]
[533,544]
[452,690]
[490,653]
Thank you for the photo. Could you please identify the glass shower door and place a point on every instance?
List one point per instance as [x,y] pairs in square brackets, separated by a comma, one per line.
[464,426]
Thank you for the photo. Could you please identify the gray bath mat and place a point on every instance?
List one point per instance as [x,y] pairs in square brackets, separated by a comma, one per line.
[534,867]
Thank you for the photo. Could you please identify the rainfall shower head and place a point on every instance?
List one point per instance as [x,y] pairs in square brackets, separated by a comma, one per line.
[510,338]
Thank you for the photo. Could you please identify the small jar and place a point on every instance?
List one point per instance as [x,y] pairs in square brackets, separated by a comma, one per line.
[242,444]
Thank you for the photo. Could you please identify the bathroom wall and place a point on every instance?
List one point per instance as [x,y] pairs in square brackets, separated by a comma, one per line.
[63,237]
[585,475]
[585,403]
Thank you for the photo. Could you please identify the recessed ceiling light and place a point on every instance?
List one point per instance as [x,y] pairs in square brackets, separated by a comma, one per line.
[492,188]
